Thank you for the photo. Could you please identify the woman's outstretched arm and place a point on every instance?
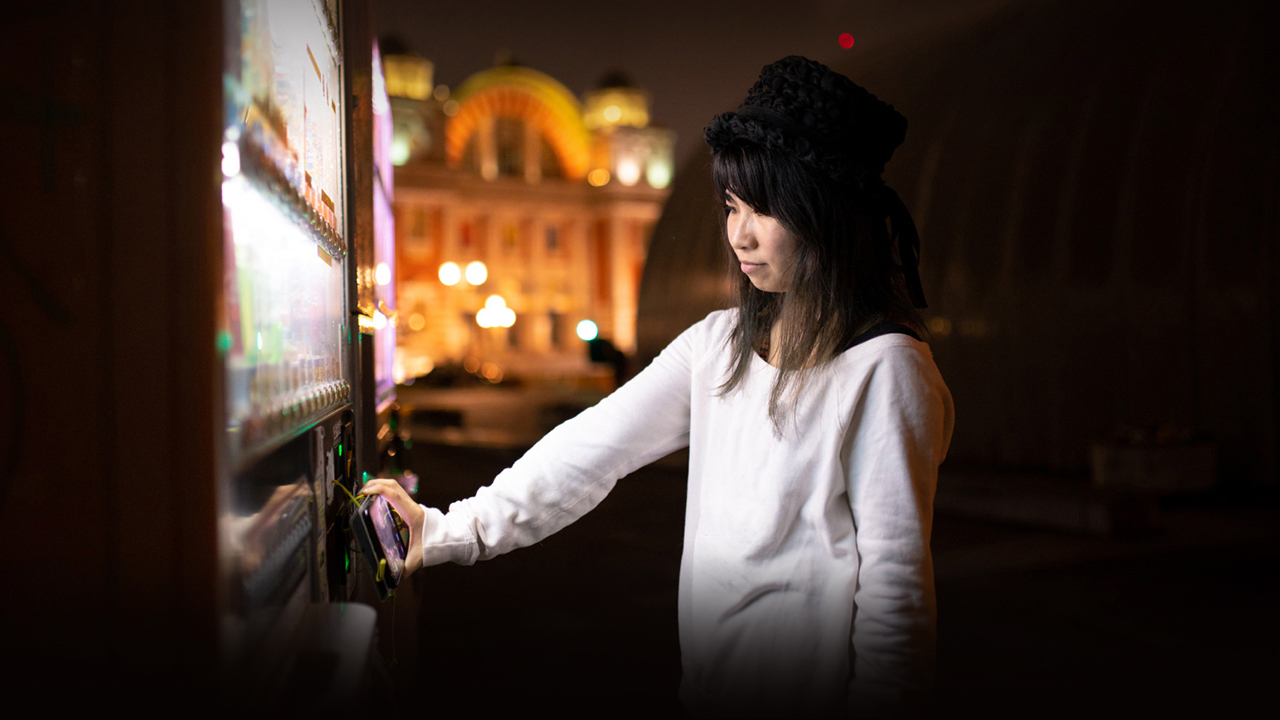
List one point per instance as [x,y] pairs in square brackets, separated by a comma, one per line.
[570,470]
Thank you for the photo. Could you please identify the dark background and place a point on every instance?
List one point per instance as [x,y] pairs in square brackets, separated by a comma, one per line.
[695,58]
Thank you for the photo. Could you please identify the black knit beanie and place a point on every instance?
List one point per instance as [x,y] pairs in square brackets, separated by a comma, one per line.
[836,128]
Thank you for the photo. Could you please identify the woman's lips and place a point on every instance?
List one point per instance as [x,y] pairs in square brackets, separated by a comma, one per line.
[751,267]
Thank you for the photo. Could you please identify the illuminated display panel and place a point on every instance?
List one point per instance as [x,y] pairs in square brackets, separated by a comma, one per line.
[384,249]
[284,331]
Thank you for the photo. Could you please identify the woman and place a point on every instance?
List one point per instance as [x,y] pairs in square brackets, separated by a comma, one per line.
[814,416]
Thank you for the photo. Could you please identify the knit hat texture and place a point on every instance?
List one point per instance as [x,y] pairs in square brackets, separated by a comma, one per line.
[824,119]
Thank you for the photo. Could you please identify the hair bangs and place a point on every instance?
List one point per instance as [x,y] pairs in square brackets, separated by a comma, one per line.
[748,171]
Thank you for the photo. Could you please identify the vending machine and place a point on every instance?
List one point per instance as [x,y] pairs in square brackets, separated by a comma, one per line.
[191,389]
[299,317]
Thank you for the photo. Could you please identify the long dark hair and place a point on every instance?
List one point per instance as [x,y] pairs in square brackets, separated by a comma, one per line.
[846,280]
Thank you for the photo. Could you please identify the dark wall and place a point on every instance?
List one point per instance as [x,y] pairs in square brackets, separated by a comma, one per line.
[1095,185]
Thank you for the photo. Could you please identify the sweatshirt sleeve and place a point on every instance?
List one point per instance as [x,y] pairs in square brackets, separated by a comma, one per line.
[897,436]
[572,468]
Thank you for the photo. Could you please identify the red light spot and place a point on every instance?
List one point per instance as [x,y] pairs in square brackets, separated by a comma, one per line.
[846,40]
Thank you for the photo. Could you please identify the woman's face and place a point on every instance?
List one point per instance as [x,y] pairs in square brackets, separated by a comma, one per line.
[765,249]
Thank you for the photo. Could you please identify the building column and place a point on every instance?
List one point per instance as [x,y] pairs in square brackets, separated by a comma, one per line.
[487,147]
[532,153]
[622,260]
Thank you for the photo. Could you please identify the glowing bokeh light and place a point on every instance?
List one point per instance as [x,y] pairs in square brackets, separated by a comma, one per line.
[495,313]
[613,113]
[598,177]
[477,273]
[417,322]
[628,172]
[450,273]
[846,40]
[382,274]
[658,174]
[230,159]
[587,330]
[379,320]
[400,149]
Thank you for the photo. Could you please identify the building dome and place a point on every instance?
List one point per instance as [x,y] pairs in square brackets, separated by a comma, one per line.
[512,91]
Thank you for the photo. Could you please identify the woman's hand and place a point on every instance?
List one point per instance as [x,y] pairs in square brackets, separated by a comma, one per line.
[410,511]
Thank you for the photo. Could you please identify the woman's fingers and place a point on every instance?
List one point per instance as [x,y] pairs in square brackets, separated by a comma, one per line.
[409,511]
[390,490]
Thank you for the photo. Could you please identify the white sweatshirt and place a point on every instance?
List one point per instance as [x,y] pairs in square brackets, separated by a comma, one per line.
[806,583]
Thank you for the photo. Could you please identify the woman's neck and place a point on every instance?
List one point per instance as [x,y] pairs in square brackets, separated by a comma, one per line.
[773,354]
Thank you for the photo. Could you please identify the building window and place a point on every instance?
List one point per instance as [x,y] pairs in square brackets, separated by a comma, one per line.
[509,241]
[471,155]
[604,287]
[553,239]
[513,335]
[415,228]
[509,134]
[550,162]
[556,320]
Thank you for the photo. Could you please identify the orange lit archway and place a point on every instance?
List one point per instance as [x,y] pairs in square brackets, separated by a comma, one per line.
[531,96]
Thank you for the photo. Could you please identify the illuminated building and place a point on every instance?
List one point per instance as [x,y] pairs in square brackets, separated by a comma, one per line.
[554,197]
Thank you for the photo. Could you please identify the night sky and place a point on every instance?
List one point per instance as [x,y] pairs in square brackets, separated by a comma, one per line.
[695,58]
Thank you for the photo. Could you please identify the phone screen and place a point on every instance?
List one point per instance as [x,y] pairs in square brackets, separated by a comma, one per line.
[388,536]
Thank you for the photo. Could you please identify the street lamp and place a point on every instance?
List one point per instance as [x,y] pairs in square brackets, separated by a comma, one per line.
[450,273]
[495,313]
[477,273]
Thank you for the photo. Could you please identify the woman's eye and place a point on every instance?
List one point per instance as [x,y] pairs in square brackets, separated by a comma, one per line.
[729,208]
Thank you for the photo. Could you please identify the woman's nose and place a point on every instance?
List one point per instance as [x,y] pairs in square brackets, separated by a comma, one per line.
[742,235]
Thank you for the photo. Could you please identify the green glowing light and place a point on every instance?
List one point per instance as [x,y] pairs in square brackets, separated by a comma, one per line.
[339,449]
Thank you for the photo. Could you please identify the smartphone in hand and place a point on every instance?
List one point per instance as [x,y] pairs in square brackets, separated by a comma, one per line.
[380,543]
